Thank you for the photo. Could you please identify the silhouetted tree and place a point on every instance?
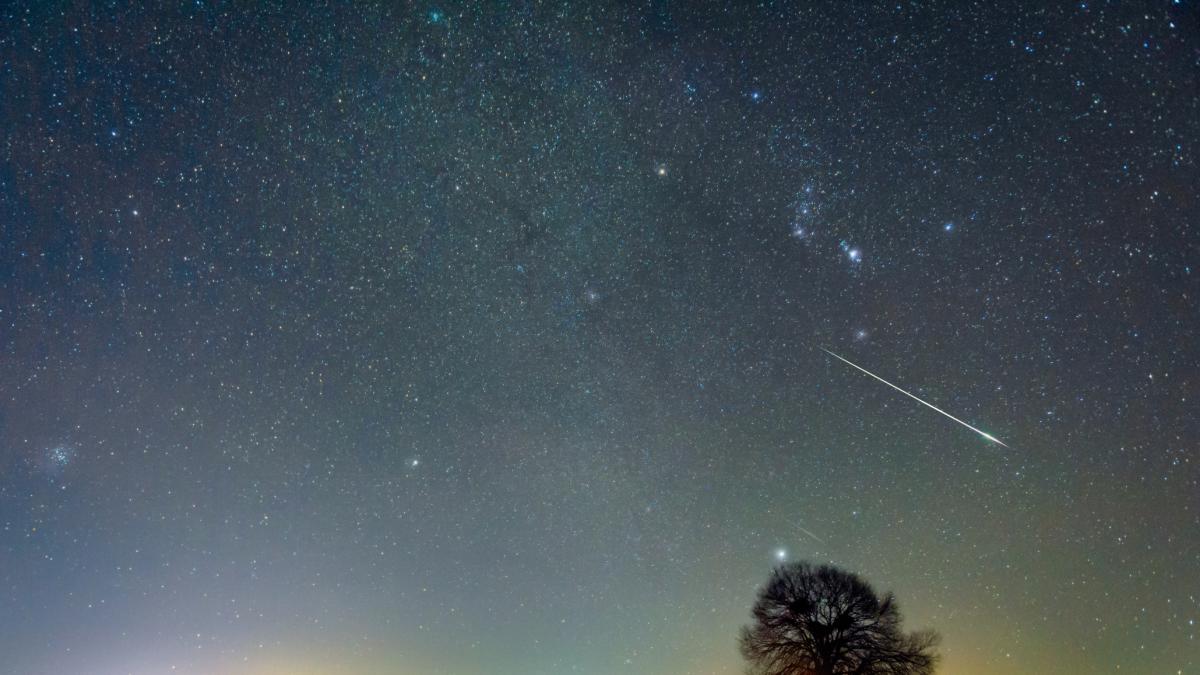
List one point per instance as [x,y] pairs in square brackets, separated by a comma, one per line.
[820,620]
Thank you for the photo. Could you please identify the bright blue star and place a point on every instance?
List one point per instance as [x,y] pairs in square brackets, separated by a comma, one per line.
[852,252]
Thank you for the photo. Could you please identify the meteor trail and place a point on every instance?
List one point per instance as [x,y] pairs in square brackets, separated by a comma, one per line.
[810,534]
[925,403]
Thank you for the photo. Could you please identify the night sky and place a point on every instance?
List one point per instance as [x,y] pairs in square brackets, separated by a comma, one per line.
[487,339]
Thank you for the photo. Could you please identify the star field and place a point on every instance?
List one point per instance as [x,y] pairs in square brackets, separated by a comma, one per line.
[486,338]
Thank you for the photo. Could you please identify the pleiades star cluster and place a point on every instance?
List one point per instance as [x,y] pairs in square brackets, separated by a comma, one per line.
[489,338]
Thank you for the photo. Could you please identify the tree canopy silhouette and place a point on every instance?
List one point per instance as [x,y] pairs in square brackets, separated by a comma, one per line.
[820,620]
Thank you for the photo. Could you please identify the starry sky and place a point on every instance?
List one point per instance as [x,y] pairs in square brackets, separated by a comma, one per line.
[487,338]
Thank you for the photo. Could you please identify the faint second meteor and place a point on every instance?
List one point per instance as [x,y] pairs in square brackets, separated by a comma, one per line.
[918,400]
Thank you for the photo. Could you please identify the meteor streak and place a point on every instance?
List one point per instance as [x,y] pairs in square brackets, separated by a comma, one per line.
[811,534]
[922,402]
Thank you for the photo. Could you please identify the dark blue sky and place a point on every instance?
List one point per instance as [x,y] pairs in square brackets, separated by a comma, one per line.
[484,338]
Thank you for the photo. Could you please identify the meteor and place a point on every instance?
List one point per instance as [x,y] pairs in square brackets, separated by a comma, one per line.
[922,402]
[811,534]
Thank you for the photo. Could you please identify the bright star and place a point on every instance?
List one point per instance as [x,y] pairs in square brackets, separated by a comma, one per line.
[781,554]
